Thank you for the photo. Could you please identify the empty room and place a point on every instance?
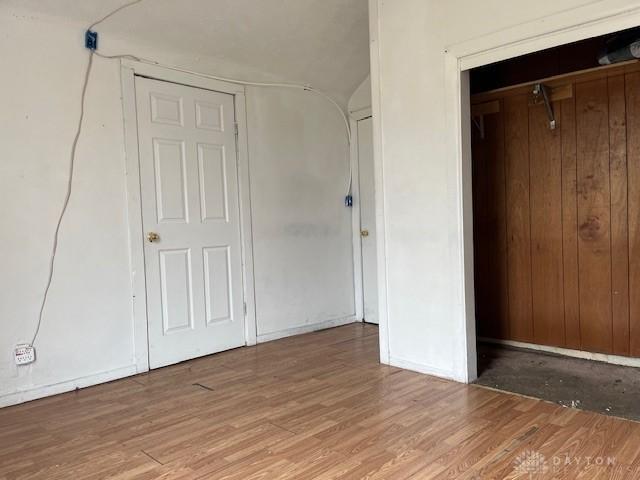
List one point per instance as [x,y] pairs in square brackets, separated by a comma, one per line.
[320,239]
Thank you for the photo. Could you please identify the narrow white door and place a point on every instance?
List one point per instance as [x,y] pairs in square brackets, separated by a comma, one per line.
[190,215]
[368,220]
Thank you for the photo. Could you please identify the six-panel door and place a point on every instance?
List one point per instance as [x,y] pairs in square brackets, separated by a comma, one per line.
[189,187]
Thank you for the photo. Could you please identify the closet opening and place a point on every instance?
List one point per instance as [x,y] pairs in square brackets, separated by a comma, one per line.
[556,220]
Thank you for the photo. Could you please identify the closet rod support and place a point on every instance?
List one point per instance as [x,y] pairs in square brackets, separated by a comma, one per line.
[540,90]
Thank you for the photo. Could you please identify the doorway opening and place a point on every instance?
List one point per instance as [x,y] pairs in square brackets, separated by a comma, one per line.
[555,148]
[366,204]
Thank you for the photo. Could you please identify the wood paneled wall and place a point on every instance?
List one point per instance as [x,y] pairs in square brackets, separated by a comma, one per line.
[557,213]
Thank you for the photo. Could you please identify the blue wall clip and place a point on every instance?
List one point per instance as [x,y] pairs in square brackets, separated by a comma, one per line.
[91,40]
[348,201]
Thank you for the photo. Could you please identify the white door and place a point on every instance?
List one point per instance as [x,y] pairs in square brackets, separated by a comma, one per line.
[367,220]
[190,215]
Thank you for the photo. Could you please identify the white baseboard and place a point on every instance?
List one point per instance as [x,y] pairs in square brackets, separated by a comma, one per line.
[598,357]
[422,368]
[34,393]
[289,332]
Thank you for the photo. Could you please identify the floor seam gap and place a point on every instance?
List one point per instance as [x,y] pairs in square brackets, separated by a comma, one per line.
[152,458]
[281,428]
[202,386]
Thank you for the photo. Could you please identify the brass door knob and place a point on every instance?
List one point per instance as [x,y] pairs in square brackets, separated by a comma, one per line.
[153,237]
[364,233]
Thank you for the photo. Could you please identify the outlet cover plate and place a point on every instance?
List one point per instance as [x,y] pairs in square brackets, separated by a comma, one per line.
[24,354]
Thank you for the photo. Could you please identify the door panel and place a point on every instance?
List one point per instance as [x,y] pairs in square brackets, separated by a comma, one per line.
[217,276]
[177,293]
[213,182]
[368,220]
[171,191]
[189,187]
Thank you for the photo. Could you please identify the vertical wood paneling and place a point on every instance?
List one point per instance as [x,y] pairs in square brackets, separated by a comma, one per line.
[557,217]
[497,293]
[570,225]
[484,323]
[619,215]
[632,88]
[594,215]
[516,139]
[545,152]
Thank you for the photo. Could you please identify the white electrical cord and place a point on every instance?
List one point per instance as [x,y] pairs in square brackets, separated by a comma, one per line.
[74,145]
[65,204]
[296,86]
[236,81]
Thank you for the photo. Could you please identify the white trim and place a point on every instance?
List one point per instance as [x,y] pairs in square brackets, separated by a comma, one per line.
[465,258]
[358,262]
[129,69]
[27,395]
[134,219]
[246,232]
[598,17]
[361,114]
[354,117]
[568,352]
[358,288]
[464,295]
[421,368]
[379,191]
[191,80]
[289,332]
[560,28]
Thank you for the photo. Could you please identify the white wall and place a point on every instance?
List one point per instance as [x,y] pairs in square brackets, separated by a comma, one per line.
[361,98]
[301,231]
[420,183]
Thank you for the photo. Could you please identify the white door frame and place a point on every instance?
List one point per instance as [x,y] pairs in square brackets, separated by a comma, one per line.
[354,118]
[571,25]
[129,69]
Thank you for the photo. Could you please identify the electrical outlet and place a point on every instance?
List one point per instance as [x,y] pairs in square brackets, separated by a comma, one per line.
[91,40]
[25,354]
[348,201]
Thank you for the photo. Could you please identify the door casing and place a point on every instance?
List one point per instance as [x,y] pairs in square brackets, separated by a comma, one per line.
[570,25]
[369,285]
[354,118]
[129,69]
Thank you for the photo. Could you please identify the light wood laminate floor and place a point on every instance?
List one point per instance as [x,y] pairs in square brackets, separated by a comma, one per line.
[315,406]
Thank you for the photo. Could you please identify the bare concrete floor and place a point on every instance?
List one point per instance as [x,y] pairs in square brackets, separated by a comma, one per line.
[584,384]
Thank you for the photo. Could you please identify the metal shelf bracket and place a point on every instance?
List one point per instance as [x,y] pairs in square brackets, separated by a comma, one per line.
[541,91]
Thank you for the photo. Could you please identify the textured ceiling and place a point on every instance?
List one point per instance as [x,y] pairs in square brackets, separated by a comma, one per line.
[320,42]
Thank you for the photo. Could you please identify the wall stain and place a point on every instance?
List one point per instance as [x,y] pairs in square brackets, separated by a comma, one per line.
[591,229]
